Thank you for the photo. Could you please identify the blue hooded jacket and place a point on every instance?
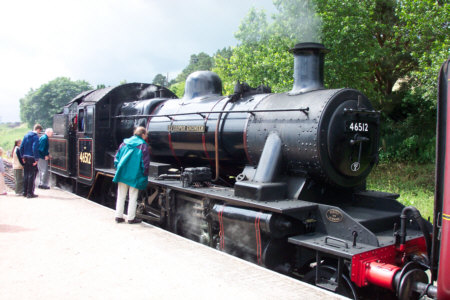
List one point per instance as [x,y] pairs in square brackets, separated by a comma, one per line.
[132,162]
[30,145]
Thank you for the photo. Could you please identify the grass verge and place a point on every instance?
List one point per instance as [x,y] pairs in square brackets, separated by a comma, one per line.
[9,133]
[414,183]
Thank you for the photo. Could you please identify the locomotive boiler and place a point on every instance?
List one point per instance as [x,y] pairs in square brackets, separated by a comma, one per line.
[277,179]
[274,143]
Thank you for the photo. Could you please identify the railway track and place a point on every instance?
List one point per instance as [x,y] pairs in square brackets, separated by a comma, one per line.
[9,175]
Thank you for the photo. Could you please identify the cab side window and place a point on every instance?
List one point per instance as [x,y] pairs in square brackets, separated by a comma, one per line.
[89,119]
[81,120]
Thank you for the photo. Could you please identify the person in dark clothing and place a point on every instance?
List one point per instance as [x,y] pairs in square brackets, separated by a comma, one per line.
[29,149]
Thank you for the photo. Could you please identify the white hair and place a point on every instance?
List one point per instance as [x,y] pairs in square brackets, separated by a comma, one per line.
[48,130]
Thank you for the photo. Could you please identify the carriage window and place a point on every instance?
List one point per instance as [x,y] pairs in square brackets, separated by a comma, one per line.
[89,120]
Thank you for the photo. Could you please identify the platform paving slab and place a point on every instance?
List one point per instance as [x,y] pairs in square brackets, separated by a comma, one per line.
[61,246]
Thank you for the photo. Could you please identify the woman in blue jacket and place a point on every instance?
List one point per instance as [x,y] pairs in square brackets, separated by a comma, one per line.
[132,162]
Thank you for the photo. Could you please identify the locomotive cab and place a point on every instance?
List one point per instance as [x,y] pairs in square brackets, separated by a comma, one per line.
[88,129]
[63,143]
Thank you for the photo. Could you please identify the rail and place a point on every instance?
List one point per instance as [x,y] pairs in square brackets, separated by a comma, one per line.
[203,114]
[10,181]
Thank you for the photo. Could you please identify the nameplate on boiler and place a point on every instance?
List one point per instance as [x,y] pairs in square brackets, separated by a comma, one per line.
[187,128]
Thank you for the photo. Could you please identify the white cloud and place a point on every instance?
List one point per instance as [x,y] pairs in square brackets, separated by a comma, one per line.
[107,41]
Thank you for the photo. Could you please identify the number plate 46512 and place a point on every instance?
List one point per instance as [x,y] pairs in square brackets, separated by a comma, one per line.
[357,126]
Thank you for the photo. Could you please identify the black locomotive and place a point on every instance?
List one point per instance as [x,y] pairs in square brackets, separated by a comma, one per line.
[278,179]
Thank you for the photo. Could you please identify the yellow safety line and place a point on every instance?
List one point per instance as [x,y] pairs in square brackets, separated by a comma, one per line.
[446,217]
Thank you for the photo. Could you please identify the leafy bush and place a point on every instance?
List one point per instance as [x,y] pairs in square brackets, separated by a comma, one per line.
[408,133]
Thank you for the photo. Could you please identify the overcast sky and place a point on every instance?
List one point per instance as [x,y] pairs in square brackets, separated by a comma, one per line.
[107,41]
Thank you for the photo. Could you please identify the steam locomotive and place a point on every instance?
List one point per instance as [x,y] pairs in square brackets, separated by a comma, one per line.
[277,179]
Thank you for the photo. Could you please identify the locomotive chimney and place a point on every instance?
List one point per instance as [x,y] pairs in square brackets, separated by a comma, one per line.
[308,67]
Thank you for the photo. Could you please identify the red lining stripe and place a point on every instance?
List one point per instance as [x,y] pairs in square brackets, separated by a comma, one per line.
[204,148]
[66,158]
[221,230]
[92,158]
[171,147]
[258,238]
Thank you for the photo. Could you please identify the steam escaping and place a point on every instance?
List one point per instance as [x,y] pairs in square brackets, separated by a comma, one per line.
[298,20]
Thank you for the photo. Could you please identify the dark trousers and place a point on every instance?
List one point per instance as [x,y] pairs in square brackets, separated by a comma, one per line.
[29,174]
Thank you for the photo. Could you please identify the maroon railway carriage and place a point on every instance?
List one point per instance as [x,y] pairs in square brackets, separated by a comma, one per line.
[441,232]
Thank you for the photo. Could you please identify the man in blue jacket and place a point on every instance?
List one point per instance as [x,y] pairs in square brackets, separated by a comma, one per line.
[29,150]
[132,163]
[44,158]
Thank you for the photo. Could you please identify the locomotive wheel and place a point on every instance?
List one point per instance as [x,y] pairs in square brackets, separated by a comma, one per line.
[327,272]
[149,207]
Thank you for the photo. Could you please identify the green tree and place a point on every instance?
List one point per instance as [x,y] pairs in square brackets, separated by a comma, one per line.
[39,106]
[375,44]
[160,80]
[197,62]
[262,56]
[266,63]
[253,28]
[391,50]
[396,49]
[225,52]
[178,88]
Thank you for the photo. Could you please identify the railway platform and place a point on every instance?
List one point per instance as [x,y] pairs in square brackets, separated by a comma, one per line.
[61,246]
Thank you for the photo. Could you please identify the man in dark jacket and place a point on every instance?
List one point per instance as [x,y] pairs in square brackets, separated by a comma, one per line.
[29,149]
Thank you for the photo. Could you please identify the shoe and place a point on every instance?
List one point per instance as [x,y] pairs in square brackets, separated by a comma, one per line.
[134,221]
[32,196]
[23,194]
[39,186]
[4,194]
[45,187]
[120,220]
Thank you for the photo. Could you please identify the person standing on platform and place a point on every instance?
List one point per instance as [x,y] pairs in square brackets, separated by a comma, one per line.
[44,158]
[132,163]
[18,167]
[2,175]
[29,149]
